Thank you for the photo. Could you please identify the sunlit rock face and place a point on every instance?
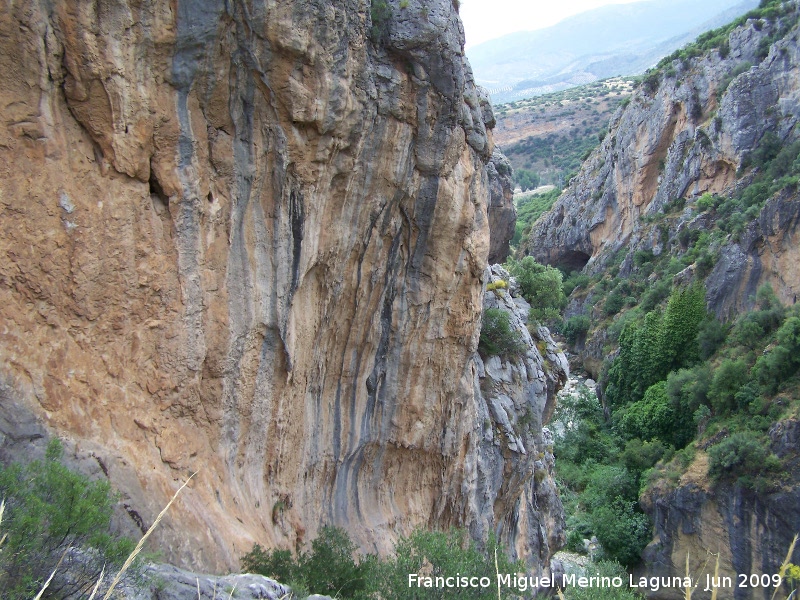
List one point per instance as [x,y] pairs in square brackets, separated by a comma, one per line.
[248,240]
[685,133]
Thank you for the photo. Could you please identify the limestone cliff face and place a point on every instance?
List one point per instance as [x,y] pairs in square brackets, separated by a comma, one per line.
[515,398]
[502,212]
[248,239]
[683,135]
[752,532]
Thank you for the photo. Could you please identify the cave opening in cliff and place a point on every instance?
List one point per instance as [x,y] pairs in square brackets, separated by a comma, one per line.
[572,260]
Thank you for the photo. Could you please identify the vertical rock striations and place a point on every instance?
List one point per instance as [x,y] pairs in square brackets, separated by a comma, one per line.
[502,212]
[247,239]
[686,131]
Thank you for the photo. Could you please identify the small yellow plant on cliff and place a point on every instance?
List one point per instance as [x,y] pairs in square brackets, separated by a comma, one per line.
[497,285]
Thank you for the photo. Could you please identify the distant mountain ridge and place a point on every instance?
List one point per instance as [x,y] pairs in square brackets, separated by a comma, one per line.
[621,39]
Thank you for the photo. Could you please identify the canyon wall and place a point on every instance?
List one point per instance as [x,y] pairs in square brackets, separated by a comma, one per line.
[687,131]
[248,240]
[691,128]
[751,531]
[502,212]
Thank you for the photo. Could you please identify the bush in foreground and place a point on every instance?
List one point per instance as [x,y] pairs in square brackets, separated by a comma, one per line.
[53,512]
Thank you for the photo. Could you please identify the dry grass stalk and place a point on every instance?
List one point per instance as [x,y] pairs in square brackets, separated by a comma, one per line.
[53,574]
[689,590]
[139,546]
[2,510]
[97,585]
[497,570]
[785,566]
[716,578]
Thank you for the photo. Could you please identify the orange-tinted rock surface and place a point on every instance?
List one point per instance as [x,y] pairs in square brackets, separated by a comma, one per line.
[248,239]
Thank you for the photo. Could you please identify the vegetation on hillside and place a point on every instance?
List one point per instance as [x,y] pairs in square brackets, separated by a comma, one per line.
[546,138]
[529,208]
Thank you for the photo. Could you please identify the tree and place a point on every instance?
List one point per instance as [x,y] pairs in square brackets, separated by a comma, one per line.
[686,310]
[541,286]
[639,363]
[330,569]
[652,417]
[444,554]
[53,512]
[729,377]
[622,531]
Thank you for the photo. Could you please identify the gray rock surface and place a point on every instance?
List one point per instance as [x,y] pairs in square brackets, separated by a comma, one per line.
[165,582]
[518,397]
[687,135]
[502,213]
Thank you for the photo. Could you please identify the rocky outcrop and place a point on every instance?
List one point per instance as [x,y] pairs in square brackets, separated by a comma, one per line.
[248,240]
[687,131]
[502,212]
[751,531]
[767,251]
[516,397]
[164,581]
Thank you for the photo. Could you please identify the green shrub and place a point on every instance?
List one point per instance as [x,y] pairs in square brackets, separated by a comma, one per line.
[711,335]
[652,417]
[729,377]
[652,81]
[526,179]
[441,554]
[576,327]
[656,294]
[541,286]
[277,564]
[613,303]
[622,530]
[574,281]
[497,285]
[50,510]
[497,337]
[380,12]
[705,202]
[783,360]
[605,483]
[330,569]
[639,456]
[742,453]
[687,391]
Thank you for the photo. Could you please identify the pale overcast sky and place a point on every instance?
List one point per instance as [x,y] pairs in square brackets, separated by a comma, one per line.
[488,19]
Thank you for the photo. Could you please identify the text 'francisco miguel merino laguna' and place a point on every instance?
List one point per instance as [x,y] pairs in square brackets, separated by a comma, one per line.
[523,583]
